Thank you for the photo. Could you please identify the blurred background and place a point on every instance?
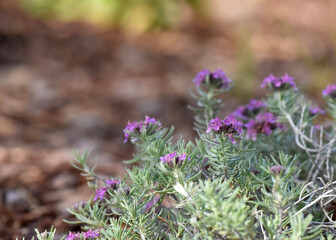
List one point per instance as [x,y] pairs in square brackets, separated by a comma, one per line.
[73,72]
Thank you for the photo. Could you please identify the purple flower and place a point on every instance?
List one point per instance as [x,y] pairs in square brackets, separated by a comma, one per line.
[215,124]
[264,123]
[152,202]
[133,129]
[168,157]
[241,112]
[220,75]
[183,157]
[149,120]
[279,83]
[230,127]
[200,77]
[172,158]
[315,111]
[330,91]
[113,183]
[277,170]
[249,110]
[217,78]
[73,236]
[255,105]
[100,193]
[91,234]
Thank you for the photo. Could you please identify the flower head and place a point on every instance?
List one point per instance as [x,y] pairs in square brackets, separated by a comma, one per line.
[315,111]
[149,120]
[73,236]
[133,129]
[100,193]
[172,158]
[200,77]
[279,83]
[215,124]
[264,123]
[230,127]
[249,110]
[168,157]
[113,183]
[255,105]
[91,235]
[330,91]
[217,78]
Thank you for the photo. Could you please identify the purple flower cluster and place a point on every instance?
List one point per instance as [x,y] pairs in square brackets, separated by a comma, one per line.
[315,111]
[113,183]
[230,127]
[100,193]
[89,235]
[279,83]
[217,78]
[73,236]
[264,123]
[249,110]
[330,91]
[134,128]
[200,77]
[173,158]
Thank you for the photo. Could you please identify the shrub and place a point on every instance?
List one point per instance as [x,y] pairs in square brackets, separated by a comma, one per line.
[265,171]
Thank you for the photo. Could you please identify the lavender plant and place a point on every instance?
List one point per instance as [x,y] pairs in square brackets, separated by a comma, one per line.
[265,171]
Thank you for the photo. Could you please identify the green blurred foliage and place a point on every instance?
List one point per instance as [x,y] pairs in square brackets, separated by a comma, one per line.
[134,15]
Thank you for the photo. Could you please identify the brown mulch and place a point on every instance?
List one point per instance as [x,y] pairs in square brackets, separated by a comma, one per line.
[72,86]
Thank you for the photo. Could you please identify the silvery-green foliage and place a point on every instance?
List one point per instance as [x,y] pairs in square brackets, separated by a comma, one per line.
[275,181]
[216,209]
